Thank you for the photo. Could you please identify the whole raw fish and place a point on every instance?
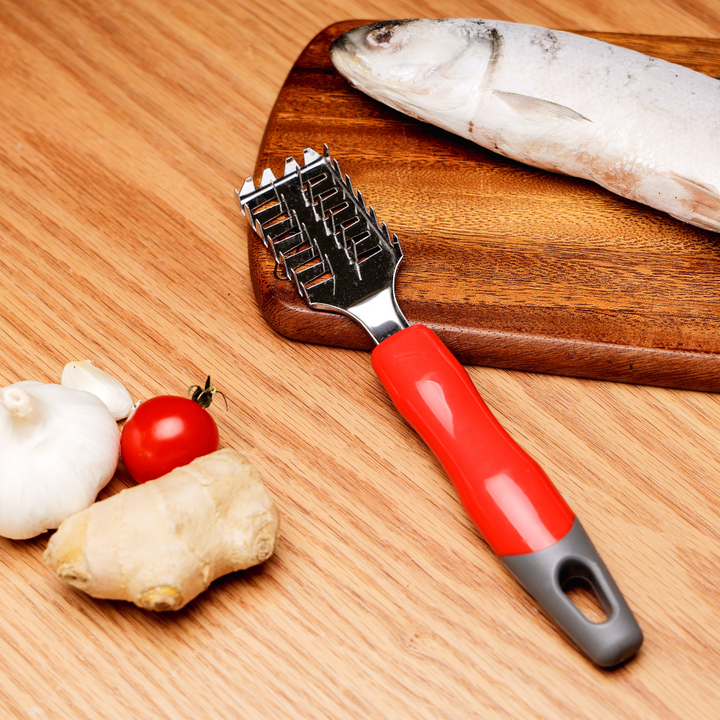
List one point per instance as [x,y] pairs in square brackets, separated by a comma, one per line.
[641,127]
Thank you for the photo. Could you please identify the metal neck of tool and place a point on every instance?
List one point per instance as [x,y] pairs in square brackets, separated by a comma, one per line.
[379,314]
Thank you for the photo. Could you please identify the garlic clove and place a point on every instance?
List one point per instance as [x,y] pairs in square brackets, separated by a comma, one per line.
[83,375]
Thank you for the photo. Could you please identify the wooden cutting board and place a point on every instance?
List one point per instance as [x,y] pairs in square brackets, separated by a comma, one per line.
[513,267]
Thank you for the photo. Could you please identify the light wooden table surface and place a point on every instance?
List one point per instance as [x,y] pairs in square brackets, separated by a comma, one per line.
[124,127]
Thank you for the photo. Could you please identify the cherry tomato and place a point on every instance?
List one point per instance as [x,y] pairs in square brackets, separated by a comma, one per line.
[168,431]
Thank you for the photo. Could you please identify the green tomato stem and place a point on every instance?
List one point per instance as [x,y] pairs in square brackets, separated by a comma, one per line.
[203,396]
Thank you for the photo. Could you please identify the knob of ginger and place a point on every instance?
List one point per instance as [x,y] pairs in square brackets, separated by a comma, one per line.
[161,544]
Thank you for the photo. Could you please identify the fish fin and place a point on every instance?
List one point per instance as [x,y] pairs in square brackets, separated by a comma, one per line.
[536,109]
[705,201]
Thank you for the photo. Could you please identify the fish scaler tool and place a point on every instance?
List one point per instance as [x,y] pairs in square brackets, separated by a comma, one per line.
[342,260]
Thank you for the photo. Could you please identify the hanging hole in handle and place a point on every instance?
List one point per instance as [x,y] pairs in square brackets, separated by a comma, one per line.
[576,581]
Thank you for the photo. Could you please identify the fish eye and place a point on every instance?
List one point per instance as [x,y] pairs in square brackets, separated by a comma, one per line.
[381,36]
[385,37]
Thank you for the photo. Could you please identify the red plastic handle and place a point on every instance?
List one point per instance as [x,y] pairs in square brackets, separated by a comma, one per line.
[504,491]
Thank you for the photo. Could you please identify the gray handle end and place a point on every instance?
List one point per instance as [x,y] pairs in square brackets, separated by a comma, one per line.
[544,574]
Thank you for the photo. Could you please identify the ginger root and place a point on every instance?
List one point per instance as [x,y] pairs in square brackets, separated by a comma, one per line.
[161,544]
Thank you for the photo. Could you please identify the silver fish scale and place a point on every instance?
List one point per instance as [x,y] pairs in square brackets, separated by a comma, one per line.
[325,239]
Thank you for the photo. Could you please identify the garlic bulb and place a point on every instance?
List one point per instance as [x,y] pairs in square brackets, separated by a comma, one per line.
[83,375]
[58,448]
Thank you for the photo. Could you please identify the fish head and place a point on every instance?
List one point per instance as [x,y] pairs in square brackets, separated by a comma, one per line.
[418,66]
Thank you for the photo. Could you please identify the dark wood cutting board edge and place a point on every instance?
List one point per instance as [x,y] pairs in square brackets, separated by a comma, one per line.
[598,287]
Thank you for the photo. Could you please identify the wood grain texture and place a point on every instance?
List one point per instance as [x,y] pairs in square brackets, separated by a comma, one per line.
[124,128]
[511,266]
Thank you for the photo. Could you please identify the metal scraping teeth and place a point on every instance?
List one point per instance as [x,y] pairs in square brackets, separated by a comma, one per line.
[321,232]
